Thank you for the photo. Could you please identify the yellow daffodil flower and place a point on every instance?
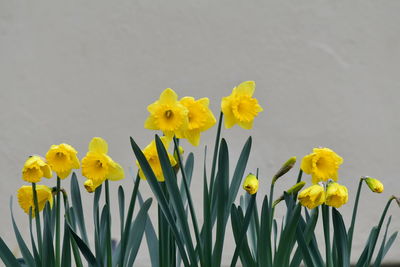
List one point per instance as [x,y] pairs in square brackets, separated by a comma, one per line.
[251,184]
[167,114]
[25,197]
[62,159]
[240,107]
[200,119]
[322,164]
[312,196]
[35,168]
[98,166]
[374,184]
[336,195]
[150,152]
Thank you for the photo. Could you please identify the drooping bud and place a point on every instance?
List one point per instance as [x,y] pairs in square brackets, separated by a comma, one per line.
[251,184]
[336,195]
[284,169]
[374,184]
[312,196]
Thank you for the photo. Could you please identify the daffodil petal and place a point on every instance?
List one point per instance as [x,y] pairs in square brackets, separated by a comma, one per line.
[64,174]
[246,88]
[168,96]
[193,137]
[99,145]
[116,172]
[245,124]
[150,123]
[46,171]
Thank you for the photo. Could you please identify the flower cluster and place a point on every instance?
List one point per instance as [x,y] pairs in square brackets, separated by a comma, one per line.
[62,159]
[187,118]
[323,165]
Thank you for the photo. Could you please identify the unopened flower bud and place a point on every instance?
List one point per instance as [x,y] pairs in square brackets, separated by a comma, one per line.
[251,184]
[284,169]
[374,184]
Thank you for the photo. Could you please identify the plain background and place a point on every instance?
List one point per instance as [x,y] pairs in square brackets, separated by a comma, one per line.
[327,74]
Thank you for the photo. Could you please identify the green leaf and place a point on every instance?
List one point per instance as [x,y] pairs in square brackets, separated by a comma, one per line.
[48,250]
[121,204]
[264,254]
[66,248]
[175,198]
[83,248]
[364,255]
[222,189]
[308,230]
[207,240]
[6,255]
[163,204]
[287,237]
[29,260]
[128,222]
[77,205]
[340,236]
[189,173]
[302,244]
[137,230]
[243,230]
[34,248]
[151,237]
[239,172]
[380,255]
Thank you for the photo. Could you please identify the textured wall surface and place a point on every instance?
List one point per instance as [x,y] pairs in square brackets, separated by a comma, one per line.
[327,74]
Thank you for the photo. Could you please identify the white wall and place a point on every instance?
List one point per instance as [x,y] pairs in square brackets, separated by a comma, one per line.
[327,74]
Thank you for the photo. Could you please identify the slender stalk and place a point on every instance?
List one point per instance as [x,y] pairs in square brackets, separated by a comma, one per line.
[109,252]
[353,218]
[58,206]
[325,219]
[190,202]
[216,148]
[37,218]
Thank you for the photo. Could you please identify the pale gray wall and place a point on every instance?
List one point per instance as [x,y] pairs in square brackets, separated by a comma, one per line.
[327,74]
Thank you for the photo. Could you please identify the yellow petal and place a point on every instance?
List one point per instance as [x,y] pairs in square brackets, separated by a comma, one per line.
[150,123]
[168,96]
[193,136]
[99,145]
[46,171]
[75,162]
[116,172]
[306,163]
[245,124]
[64,174]
[246,88]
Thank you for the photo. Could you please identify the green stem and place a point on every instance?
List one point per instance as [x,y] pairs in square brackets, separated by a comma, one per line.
[353,218]
[216,148]
[325,219]
[109,252]
[58,206]
[190,202]
[37,218]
